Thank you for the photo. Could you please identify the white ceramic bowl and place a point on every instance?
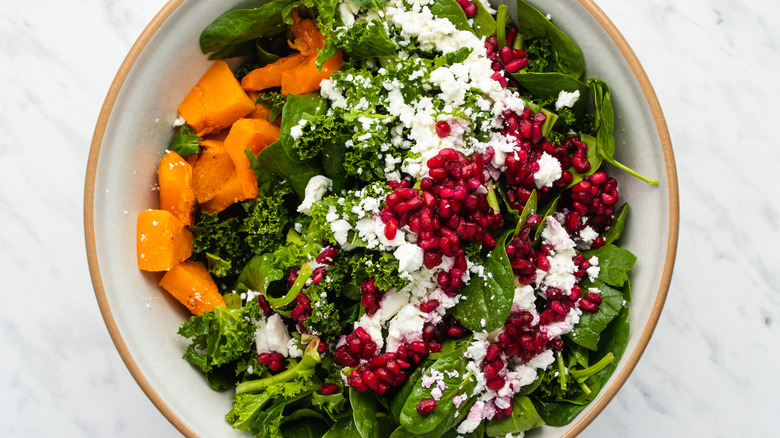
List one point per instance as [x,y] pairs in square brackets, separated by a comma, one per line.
[134,128]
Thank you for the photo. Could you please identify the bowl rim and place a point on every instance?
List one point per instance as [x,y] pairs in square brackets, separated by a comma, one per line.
[609,393]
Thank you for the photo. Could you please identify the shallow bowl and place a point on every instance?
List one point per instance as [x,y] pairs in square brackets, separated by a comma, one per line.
[135,127]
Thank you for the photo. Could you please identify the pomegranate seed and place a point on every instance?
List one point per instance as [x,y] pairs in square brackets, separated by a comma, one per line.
[517,65]
[506,54]
[456,331]
[470,10]
[426,406]
[493,351]
[276,365]
[590,306]
[391,229]
[430,306]
[327,255]
[370,379]
[594,297]
[442,130]
[495,383]
[329,388]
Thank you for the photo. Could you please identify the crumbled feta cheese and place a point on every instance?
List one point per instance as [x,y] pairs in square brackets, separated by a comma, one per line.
[271,335]
[567,99]
[410,257]
[297,130]
[549,171]
[315,190]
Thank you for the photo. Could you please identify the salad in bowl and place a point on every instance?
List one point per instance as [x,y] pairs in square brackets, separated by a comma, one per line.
[394,218]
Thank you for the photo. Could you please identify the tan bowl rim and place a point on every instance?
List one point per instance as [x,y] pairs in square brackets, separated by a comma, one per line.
[576,428]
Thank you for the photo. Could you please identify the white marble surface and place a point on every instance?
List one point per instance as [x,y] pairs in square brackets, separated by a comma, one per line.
[710,370]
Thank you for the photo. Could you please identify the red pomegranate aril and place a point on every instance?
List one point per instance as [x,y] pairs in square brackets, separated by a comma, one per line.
[426,406]
[598,178]
[581,165]
[327,255]
[456,331]
[588,305]
[594,297]
[471,10]
[438,173]
[362,333]
[355,346]
[608,199]
[517,65]
[370,379]
[506,54]
[557,307]
[511,34]
[493,352]
[391,229]
[490,372]
[420,347]
[442,130]
[276,365]
[495,384]
[556,344]
[574,295]
[329,388]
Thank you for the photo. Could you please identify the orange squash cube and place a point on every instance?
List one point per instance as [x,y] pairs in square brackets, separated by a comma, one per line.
[190,283]
[254,134]
[227,195]
[216,101]
[305,78]
[212,170]
[174,176]
[162,241]
[270,76]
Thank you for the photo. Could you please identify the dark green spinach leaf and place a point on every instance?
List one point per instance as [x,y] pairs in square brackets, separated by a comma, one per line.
[451,10]
[534,24]
[614,264]
[364,410]
[484,23]
[243,25]
[524,417]
[587,332]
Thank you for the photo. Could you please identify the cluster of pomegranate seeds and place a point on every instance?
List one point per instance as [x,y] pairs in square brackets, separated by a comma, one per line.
[302,310]
[265,306]
[593,198]
[275,361]
[450,209]
[522,256]
[557,306]
[469,8]
[370,296]
[358,345]
[379,374]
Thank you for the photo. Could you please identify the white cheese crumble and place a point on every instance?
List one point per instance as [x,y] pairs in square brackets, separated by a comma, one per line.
[410,257]
[272,336]
[567,99]
[549,171]
[315,189]
[297,130]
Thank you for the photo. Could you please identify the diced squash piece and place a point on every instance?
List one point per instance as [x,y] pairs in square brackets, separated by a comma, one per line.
[254,134]
[212,170]
[227,195]
[162,241]
[270,75]
[308,38]
[190,283]
[177,196]
[306,78]
[216,101]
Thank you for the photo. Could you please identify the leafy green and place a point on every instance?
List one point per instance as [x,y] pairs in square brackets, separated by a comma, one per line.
[614,264]
[185,142]
[294,379]
[344,428]
[266,219]
[534,24]
[274,101]
[335,405]
[364,408]
[221,243]
[524,417]
[374,5]
[243,25]
[381,266]
[605,128]
[618,221]
[451,10]
[310,428]
[219,337]
[299,114]
[587,332]
[484,23]
[549,85]
[593,158]
[275,160]
[365,39]
[457,381]
[528,209]
[487,299]
[549,211]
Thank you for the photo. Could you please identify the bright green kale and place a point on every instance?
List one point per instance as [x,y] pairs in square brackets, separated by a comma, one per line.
[381,266]
[274,101]
[222,244]
[219,336]
[185,142]
[266,219]
[541,55]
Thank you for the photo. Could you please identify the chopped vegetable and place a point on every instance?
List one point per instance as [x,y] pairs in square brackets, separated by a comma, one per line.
[163,241]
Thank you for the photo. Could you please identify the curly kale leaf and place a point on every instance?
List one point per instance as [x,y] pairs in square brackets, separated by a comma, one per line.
[219,337]
[221,243]
[266,219]
[382,267]
[541,55]
[274,101]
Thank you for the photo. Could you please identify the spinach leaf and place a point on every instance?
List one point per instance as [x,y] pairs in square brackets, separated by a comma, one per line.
[626,289]
[605,127]
[549,85]
[487,299]
[243,24]
[274,159]
[587,331]
[366,39]
[618,221]
[613,340]
[534,24]
[364,409]
[241,48]
[299,112]
[528,209]
[549,211]
[451,10]
[185,142]
[309,428]
[344,428]
[258,274]
[268,421]
[614,264]
[479,432]
[333,155]
[399,399]
[484,23]
[524,417]
[593,158]
[457,381]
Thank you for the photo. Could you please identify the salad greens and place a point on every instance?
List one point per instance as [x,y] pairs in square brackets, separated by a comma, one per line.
[433,249]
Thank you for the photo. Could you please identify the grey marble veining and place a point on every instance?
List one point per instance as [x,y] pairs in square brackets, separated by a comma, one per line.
[708,371]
